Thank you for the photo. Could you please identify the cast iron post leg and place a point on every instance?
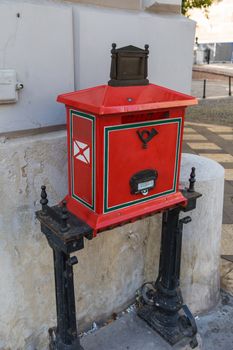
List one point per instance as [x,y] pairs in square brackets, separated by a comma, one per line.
[170,249]
[65,234]
[65,336]
[168,298]
[164,313]
[163,307]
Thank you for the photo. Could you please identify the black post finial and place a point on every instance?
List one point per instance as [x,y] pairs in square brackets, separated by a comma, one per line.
[64,217]
[44,200]
[192,180]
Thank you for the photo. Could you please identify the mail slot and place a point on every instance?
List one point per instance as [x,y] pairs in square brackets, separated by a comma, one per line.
[143,181]
[124,144]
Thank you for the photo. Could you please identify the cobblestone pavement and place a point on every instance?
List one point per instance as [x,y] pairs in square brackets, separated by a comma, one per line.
[214,142]
[212,110]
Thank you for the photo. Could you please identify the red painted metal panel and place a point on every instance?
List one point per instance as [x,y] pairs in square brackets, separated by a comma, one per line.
[126,156]
[82,157]
[106,99]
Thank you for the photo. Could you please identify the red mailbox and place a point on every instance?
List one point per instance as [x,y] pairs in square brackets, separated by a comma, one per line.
[124,145]
[124,149]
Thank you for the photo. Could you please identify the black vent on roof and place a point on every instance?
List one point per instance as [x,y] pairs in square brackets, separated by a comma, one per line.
[129,66]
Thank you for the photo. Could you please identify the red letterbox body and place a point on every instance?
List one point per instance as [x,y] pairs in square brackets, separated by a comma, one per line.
[124,148]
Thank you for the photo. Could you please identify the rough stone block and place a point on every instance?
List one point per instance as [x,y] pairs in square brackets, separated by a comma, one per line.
[200,266]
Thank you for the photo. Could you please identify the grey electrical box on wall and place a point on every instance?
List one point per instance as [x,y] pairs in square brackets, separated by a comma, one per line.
[9,86]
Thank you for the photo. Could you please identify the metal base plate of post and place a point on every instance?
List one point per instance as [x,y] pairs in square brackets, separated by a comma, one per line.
[171,334]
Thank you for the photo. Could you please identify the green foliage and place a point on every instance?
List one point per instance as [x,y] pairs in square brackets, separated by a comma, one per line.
[190,4]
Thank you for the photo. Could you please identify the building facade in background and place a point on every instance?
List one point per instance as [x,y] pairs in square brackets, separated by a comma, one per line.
[215,30]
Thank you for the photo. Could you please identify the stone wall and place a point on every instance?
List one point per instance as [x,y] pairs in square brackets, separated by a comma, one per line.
[110,269]
[200,270]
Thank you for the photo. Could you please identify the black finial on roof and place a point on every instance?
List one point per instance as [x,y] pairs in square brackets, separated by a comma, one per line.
[113,47]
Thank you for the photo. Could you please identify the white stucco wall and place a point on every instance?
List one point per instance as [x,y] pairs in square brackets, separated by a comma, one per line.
[39,46]
[170,39]
[54,43]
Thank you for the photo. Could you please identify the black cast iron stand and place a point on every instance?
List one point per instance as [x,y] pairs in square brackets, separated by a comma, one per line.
[163,306]
[65,234]
[163,310]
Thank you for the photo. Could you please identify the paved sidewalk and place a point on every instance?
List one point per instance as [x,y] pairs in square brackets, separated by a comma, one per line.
[217,80]
[214,142]
[131,333]
[214,88]
[215,68]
